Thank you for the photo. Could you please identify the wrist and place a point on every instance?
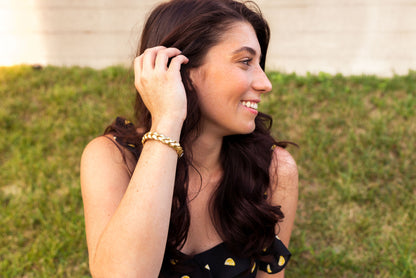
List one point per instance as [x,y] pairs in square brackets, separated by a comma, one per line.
[175,145]
[169,127]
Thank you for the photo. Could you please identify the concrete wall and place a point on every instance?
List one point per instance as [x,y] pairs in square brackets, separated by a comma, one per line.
[346,36]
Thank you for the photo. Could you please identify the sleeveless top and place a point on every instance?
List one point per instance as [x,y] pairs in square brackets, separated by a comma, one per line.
[219,262]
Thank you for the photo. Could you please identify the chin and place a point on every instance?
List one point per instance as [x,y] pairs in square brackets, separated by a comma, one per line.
[241,128]
[249,129]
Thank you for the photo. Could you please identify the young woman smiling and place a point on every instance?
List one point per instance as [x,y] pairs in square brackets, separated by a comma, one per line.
[198,187]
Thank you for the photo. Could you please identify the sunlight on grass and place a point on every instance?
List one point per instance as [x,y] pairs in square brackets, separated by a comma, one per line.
[356,215]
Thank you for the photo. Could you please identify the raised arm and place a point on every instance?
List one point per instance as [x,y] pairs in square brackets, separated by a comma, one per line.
[127,220]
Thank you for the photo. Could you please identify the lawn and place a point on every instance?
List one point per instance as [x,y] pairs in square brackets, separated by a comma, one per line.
[357,138]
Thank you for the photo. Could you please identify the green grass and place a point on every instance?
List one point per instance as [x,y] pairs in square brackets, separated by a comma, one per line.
[357,154]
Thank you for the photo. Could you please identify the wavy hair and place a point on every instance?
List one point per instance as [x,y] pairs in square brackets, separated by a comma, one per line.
[243,217]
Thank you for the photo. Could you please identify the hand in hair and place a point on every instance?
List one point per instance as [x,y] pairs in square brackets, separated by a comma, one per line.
[159,83]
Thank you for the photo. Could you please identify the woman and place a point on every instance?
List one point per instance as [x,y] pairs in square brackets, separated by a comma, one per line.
[206,191]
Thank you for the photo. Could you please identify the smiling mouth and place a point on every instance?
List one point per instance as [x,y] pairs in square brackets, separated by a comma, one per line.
[249,104]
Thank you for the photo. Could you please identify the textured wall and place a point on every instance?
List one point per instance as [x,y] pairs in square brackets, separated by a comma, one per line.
[347,36]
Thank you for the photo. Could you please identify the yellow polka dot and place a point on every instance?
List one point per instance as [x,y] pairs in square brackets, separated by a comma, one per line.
[253,268]
[269,270]
[172,261]
[281,261]
[229,262]
[264,249]
[185,276]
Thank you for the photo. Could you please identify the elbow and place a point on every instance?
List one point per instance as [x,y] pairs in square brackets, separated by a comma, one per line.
[94,270]
[101,272]
[106,270]
[101,267]
[117,270]
[98,270]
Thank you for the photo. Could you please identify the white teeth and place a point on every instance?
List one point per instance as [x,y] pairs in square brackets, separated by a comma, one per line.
[250,104]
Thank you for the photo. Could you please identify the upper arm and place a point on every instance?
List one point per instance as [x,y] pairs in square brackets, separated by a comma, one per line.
[284,192]
[104,180]
[284,186]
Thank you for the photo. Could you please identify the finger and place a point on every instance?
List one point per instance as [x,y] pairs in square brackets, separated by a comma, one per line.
[138,67]
[149,56]
[176,63]
[163,57]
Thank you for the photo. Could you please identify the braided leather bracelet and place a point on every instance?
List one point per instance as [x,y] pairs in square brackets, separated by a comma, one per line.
[163,139]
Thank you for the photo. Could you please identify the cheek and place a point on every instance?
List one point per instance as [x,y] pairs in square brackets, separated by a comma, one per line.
[208,100]
[232,81]
[222,86]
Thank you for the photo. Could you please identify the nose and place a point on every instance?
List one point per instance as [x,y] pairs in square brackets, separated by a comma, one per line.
[261,83]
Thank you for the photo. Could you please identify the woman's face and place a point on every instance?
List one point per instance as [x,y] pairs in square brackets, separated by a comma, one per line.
[230,82]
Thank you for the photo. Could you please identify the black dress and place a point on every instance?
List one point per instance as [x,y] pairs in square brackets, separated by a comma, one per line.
[219,262]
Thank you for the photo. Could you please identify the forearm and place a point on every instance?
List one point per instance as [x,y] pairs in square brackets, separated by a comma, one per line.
[134,240]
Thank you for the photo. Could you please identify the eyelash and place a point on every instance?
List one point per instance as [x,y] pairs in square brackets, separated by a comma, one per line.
[246,61]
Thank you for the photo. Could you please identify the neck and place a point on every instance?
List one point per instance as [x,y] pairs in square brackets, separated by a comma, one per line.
[206,160]
[206,152]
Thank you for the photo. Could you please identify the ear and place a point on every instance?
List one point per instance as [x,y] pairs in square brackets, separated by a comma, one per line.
[196,76]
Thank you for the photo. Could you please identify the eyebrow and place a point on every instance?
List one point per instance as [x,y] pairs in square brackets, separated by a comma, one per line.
[245,48]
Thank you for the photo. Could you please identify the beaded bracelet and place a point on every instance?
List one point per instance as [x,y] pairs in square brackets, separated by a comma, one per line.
[163,139]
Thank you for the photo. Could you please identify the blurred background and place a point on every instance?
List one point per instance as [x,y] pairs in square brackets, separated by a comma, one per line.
[344,89]
[342,36]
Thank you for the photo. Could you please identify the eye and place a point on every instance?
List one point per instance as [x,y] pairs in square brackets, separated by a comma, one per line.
[246,61]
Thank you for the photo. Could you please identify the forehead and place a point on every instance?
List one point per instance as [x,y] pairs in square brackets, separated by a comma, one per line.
[239,36]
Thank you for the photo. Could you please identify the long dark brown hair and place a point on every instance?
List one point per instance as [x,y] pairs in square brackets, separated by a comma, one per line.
[243,217]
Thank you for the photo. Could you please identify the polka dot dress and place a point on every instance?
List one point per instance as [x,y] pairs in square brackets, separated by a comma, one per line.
[219,262]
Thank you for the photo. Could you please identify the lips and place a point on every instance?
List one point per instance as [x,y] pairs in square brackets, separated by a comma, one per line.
[250,104]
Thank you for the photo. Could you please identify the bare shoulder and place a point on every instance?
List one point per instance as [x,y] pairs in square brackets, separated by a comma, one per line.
[104,151]
[284,186]
[102,145]
[104,180]
[103,166]
[284,162]
[283,169]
